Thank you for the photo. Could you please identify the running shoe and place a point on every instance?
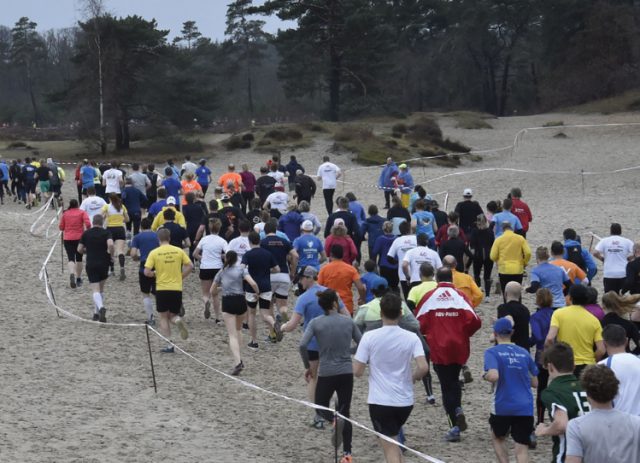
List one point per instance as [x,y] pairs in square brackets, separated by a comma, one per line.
[182,310]
[78,282]
[318,422]
[253,345]
[103,315]
[453,435]
[237,369]
[218,322]
[466,374]
[431,400]
[184,334]
[72,281]
[245,326]
[278,331]
[533,441]
[150,322]
[346,458]
[96,317]
[461,420]
[272,337]
[167,350]
[278,317]
[336,435]
[207,310]
[122,275]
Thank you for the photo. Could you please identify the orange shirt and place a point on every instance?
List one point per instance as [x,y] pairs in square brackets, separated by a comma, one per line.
[572,271]
[340,277]
[188,186]
[230,177]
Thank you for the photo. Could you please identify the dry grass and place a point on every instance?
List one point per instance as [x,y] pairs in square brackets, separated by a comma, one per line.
[628,101]
[471,120]
[553,124]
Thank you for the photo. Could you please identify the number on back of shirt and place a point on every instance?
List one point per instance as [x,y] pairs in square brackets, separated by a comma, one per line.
[582,402]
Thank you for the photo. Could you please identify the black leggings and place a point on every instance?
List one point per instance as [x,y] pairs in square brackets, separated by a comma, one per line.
[391,275]
[478,265]
[342,385]
[328,199]
[543,381]
[134,222]
[449,377]
[613,284]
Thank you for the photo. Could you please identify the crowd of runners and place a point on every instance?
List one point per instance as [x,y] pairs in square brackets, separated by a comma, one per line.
[403,305]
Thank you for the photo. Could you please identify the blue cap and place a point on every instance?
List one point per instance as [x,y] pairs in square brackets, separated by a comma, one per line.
[503,326]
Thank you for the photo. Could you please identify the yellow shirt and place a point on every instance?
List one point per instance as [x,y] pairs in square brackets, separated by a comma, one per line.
[158,221]
[467,285]
[114,218]
[511,252]
[167,261]
[417,292]
[578,328]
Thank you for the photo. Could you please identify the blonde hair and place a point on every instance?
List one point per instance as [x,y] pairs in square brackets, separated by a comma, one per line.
[482,222]
[339,230]
[620,305]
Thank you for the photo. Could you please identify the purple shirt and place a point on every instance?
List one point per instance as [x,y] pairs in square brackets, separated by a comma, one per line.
[249,181]
[595,310]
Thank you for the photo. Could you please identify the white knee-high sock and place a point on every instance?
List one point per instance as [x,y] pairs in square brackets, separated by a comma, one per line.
[148,307]
[97,300]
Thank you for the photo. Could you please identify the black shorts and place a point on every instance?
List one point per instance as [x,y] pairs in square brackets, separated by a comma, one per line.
[521,427]
[71,246]
[234,305]
[388,420]
[30,187]
[147,284]
[169,301]
[97,273]
[208,274]
[56,189]
[117,233]
[313,355]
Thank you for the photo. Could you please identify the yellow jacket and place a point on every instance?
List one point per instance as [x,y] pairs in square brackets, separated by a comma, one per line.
[468,286]
[511,252]
[158,221]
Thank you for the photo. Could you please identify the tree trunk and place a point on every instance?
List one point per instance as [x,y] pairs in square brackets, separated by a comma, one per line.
[121,125]
[504,87]
[103,136]
[250,94]
[32,96]
[335,64]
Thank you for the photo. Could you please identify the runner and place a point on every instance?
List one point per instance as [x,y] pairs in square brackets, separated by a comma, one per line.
[371,229]
[234,306]
[203,176]
[292,168]
[617,309]
[401,245]
[521,210]
[140,181]
[115,215]
[513,373]
[389,351]
[73,223]
[424,222]
[265,185]
[574,252]
[547,275]
[632,281]
[287,260]
[615,251]
[343,213]
[575,273]
[506,216]
[190,185]
[340,277]
[397,214]
[540,321]
[305,187]
[512,253]
[179,235]
[188,167]
[240,245]
[519,313]
[141,245]
[329,173]
[112,180]
[277,202]
[427,284]
[333,333]
[388,269]
[468,211]
[404,183]
[290,222]
[97,244]
[211,251]
[159,219]
[339,237]
[230,179]
[415,257]
[92,204]
[456,247]
[309,248]
[29,182]
[43,177]
[134,201]
[172,185]
[261,264]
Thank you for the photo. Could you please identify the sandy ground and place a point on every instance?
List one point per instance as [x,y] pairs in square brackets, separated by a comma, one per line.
[79,392]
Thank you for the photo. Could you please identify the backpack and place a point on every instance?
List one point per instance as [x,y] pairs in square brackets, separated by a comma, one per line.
[574,254]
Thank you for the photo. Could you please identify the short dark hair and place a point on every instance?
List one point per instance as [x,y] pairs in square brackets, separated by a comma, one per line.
[560,355]
[569,234]
[391,306]
[557,248]
[544,298]
[351,197]
[169,214]
[426,270]
[271,226]
[600,383]
[614,335]
[244,226]
[422,239]
[370,265]
[327,299]
[444,274]
[336,251]
[405,228]
[162,193]
[146,223]
[592,295]
[616,229]
[91,191]
[373,209]
[516,193]
[73,203]
[342,202]
[135,166]
[213,205]
[254,238]
[578,295]
[507,203]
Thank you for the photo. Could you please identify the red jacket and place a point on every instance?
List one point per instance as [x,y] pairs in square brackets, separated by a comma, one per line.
[350,251]
[442,236]
[447,321]
[520,209]
[73,223]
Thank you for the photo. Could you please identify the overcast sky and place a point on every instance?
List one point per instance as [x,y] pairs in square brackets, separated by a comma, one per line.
[170,14]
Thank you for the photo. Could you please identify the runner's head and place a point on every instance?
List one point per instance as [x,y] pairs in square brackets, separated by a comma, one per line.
[621,305]
[391,307]
[115,201]
[370,266]
[91,191]
[422,239]
[169,214]
[513,291]
[325,159]
[271,226]
[557,249]
[506,225]
[396,201]
[351,197]
[615,339]
[558,359]
[232,167]
[449,261]
[570,234]
[254,239]
[600,384]
[542,254]
[343,203]
[516,193]
[303,206]
[306,226]
[616,229]
[426,271]
[336,252]
[162,193]
[164,235]
[453,218]
[145,224]
[404,228]
[204,161]
[128,182]
[503,329]
[328,300]
[506,204]
[214,226]
[421,205]
[387,227]
[636,249]
[244,226]
[168,171]
[135,166]
[592,295]
[190,197]
[373,210]
[544,298]
[230,259]
[444,275]
[481,222]
[308,277]
[453,232]
[578,295]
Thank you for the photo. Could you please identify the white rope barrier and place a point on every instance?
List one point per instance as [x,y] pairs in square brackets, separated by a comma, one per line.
[44,276]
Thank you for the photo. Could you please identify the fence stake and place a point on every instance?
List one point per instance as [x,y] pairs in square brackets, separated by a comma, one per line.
[153,371]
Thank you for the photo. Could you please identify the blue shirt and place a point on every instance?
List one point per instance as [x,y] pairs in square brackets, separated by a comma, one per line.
[279,248]
[146,242]
[157,207]
[356,209]
[307,306]
[553,278]
[512,395]
[87,174]
[505,216]
[370,280]
[279,233]
[202,175]
[381,248]
[29,172]
[290,224]
[425,221]
[5,171]
[405,180]
[372,228]
[132,199]
[172,185]
[308,248]
[540,322]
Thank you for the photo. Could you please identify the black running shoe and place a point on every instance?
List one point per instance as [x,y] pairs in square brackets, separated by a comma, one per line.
[103,315]
[72,281]
[237,369]
[253,345]
[96,317]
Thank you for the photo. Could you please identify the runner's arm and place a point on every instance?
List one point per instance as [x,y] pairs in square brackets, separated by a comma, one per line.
[186,270]
[422,368]
[358,368]
[293,322]
[551,336]
[252,283]
[557,427]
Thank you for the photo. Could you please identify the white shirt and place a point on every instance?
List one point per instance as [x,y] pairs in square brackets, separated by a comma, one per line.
[240,246]
[418,256]
[92,205]
[615,249]
[389,351]
[278,176]
[329,174]
[627,369]
[279,200]
[189,167]
[112,179]
[212,247]
[398,249]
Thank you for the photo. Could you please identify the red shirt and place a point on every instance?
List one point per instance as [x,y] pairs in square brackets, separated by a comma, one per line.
[248,180]
[442,236]
[447,321]
[520,209]
[350,251]
[73,223]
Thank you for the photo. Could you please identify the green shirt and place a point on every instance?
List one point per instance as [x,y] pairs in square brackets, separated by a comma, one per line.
[564,393]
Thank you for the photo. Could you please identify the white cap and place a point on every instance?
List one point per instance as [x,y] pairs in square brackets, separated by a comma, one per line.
[307,225]
[338,222]
[171,200]
[467,192]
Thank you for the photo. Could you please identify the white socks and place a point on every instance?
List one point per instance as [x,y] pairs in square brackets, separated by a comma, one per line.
[97,300]
[148,307]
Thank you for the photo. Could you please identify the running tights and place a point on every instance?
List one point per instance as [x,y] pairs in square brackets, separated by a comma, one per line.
[449,377]
[342,385]
[478,266]
[328,199]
